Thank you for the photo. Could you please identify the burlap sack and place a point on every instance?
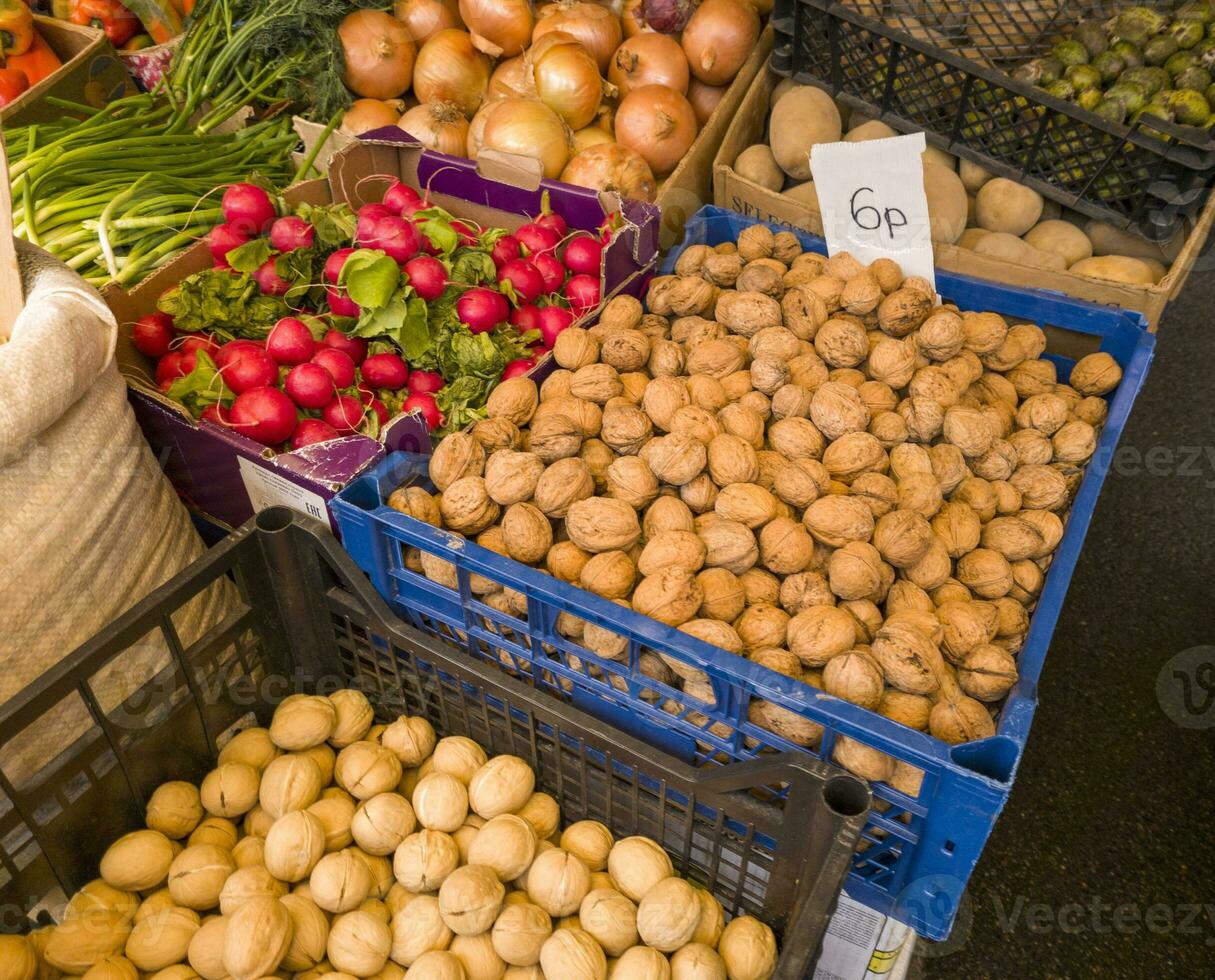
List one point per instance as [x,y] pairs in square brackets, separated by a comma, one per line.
[88,523]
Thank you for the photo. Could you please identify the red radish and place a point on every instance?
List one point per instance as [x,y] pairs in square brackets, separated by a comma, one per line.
[607,227]
[466,232]
[525,279]
[380,409]
[385,371]
[427,276]
[291,232]
[168,368]
[583,293]
[396,237]
[554,222]
[309,385]
[482,309]
[516,369]
[337,363]
[246,368]
[248,207]
[551,270]
[525,318]
[582,255]
[505,249]
[217,415]
[369,214]
[398,195]
[425,404]
[536,238]
[333,264]
[223,238]
[290,341]
[413,207]
[354,347]
[424,382]
[269,281]
[202,341]
[311,431]
[344,413]
[265,415]
[151,335]
[425,244]
[553,319]
[221,264]
[340,304]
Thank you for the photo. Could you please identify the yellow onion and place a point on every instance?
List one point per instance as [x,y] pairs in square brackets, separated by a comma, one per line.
[378,53]
[590,136]
[704,98]
[500,28]
[528,128]
[659,124]
[568,82]
[425,17]
[605,119]
[719,38]
[649,59]
[438,125]
[612,167]
[476,128]
[511,79]
[631,19]
[365,115]
[596,27]
[450,69]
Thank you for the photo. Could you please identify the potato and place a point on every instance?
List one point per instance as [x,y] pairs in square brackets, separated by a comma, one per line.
[1004,205]
[1117,268]
[872,130]
[1108,240]
[1158,268]
[972,236]
[779,89]
[805,194]
[1060,238]
[934,154]
[756,163]
[803,117]
[1010,248]
[946,202]
[973,176]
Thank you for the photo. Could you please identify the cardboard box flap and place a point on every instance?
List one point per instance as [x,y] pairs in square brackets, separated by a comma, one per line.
[510,168]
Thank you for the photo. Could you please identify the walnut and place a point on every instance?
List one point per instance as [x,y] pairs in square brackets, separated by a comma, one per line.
[596,383]
[800,482]
[696,422]
[785,247]
[853,454]
[672,549]
[747,503]
[921,493]
[985,332]
[769,374]
[997,463]
[856,677]
[969,430]
[756,242]
[877,491]
[713,631]
[785,546]
[663,398]
[902,312]
[1009,354]
[1041,487]
[1031,446]
[855,570]
[861,294]
[990,388]
[931,570]
[948,466]
[671,596]
[565,560]
[575,348]
[878,397]
[692,330]
[889,429]
[742,420]
[1046,413]
[986,573]
[841,343]
[964,627]
[706,392]
[630,479]
[760,586]
[1074,442]
[666,359]
[416,503]
[526,533]
[699,494]
[675,459]
[597,456]
[724,597]
[835,520]
[909,659]
[554,437]
[625,428]
[716,358]
[459,455]
[692,259]
[747,313]
[765,276]
[960,719]
[837,409]
[732,459]
[791,401]
[511,477]
[803,311]
[1013,536]
[736,385]
[965,369]
[666,514]
[808,370]
[498,433]
[722,270]
[730,545]
[1095,374]
[902,537]
[818,633]
[467,507]
[941,336]
[958,527]
[762,625]
[783,722]
[691,296]
[1092,410]
[610,574]
[556,385]
[602,524]
[987,673]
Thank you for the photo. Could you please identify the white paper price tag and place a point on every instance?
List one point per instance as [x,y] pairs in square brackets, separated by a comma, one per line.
[871,195]
[268,489]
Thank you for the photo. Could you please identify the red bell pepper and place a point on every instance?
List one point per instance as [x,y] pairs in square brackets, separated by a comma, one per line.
[16,27]
[13,82]
[119,24]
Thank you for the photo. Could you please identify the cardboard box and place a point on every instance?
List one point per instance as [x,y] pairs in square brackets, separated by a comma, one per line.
[749,126]
[92,74]
[226,477]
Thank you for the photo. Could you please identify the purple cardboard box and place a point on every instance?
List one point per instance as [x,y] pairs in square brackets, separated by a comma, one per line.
[226,477]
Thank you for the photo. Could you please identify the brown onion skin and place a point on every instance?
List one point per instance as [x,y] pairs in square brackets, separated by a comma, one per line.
[595,26]
[719,38]
[568,82]
[528,127]
[425,17]
[365,115]
[511,79]
[659,124]
[436,73]
[704,98]
[441,126]
[611,167]
[379,54]
[500,28]
[649,59]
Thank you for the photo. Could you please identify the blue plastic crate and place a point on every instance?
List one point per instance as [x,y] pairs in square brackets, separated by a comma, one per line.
[917,853]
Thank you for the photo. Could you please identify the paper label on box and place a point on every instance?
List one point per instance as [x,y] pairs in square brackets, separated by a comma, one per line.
[268,489]
[871,195]
[861,944]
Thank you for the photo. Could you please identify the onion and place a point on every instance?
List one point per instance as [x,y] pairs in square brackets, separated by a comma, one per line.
[704,98]
[605,119]
[379,54]
[719,38]
[666,16]
[365,115]
[425,17]
[500,28]
[568,82]
[476,128]
[438,125]
[590,136]
[511,79]
[450,69]
[632,19]
[596,27]
[659,123]
[529,128]
[612,167]
[649,59]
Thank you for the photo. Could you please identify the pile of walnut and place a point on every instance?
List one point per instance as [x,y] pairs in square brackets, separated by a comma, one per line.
[328,848]
[801,461]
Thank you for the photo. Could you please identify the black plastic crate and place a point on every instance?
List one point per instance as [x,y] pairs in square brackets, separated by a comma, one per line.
[308,621]
[943,68]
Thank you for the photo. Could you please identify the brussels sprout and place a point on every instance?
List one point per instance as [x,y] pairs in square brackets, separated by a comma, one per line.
[1092,35]
[1210,94]
[1152,79]
[1128,52]
[1180,62]
[1204,51]
[1109,64]
[1071,53]
[1160,49]
[1129,94]
[1140,22]
[1187,33]
[1111,109]
[1083,77]
[1196,78]
[1190,108]
[1089,99]
[1198,10]
[1151,111]
[1062,89]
